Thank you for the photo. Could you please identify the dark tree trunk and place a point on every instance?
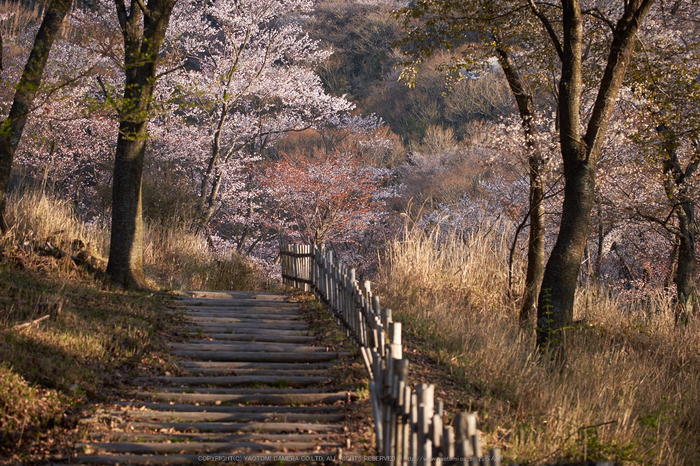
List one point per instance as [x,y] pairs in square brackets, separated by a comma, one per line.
[141,46]
[676,187]
[601,243]
[125,266]
[535,247]
[672,259]
[27,88]
[686,272]
[555,306]
[556,300]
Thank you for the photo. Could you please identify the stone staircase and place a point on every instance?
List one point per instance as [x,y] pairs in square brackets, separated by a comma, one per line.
[253,387]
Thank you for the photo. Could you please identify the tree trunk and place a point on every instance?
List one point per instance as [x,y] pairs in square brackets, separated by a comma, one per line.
[672,259]
[125,266]
[141,47]
[685,279]
[676,189]
[601,243]
[555,309]
[27,88]
[555,306]
[535,246]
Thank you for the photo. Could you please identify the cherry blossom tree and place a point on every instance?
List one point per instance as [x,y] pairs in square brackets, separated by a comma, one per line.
[327,198]
[249,82]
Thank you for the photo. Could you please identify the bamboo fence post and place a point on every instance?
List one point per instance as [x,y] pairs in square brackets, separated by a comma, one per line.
[294,268]
[367,290]
[300,261]
[376,408]
[400,414]
[406,422]
[463,445]
[387,406]
[448,443]
[283,248]
[495,457]
[425,416]
[473,435]
[414,428]
[395,347]
[309,268]
[436,437]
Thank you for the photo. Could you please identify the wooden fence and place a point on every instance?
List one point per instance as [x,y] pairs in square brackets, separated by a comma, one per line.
[408,420]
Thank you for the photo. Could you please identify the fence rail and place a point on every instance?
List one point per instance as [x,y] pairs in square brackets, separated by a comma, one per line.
[408,421]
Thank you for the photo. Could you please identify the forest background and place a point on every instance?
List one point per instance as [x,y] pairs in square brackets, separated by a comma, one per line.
[336,122]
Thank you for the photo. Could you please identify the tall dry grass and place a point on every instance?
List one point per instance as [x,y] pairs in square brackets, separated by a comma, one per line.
[630,392]
[174,258]
[179,259]
[36,217]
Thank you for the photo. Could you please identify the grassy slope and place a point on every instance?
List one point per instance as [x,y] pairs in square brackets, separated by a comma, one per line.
[97,338]
[630,391]
[84,353]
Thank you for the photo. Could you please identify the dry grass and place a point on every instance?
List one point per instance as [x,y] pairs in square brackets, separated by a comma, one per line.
[177,259]
[630,392]
[174,258]
[96,338]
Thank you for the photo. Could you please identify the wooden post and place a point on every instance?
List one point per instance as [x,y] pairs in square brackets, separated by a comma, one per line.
[407,410]
[387,413]
[495,457]
[399,420]
[367,290]
[473,435]
[293,263]
[463,445]
[414,428]
[395,340]
[448,443]
[386,316]
[425,416]
[376,408]
[436,437]
[316,270]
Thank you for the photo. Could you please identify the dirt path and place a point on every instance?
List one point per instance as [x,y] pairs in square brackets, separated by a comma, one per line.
[252,386]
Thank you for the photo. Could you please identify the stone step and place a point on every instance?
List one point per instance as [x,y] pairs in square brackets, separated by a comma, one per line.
[297,457]
[287,315]
[259,356]
[209,345]
[277,399]
[210,372]
[187,416]
[288,380]
[258,322]
[204,437]
[194,330]
[223,327]
[201,447]
[264,337]
[253,365]
[227,409]
[272,426]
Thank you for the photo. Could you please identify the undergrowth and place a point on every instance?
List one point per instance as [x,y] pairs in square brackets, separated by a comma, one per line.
[630,391]
[95,338]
